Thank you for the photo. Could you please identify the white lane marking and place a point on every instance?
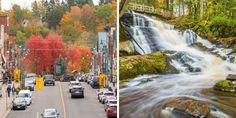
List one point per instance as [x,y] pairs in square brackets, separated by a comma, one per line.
[63,101]
[37,116]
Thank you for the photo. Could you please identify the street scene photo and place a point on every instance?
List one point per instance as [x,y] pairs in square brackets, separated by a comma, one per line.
[177,59]
[58,59]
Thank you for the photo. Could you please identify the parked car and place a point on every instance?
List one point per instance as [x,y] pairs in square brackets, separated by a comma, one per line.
[50,113]
[111,111]
[94,82]
[102,97]
[49,80]
[77,91]
[110,102]
[100,91]
[72,84]
[19,103]
[26,94]
[32,76]
[29,85]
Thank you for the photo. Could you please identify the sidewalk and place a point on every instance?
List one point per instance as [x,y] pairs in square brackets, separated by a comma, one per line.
[5,102]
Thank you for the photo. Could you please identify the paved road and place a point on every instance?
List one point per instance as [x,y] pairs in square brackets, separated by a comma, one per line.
[59,97]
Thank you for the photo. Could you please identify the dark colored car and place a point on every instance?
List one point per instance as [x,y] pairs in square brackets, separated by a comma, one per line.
[49,80]
[67,78]
[111,112]
[94,82]
[19,103]
[77,91]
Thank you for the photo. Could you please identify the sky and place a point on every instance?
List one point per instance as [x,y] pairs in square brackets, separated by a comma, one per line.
[7,4]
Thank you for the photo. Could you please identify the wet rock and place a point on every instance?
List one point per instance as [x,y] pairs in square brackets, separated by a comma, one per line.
[200,46]
[188,107]
[155,63]
[231,77]
[126,48]
[127,19]
[224,85]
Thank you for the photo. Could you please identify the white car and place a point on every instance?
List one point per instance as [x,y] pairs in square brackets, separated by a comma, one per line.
[31,75]
[50,113]
[110,102]
[27,95]
[104,95]
[72,84]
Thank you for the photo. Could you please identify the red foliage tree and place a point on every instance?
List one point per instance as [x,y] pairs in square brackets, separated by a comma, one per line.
[43,53]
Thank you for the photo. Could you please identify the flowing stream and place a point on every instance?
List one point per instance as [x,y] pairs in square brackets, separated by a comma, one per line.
[199,71]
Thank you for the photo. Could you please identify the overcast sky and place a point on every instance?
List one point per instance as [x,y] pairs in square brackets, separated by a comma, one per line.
[7,4]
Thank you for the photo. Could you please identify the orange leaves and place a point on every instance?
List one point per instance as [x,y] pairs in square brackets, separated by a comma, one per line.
[43,52]
[79,58]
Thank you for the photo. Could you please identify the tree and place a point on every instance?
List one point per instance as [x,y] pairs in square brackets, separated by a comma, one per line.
[88,18]
[86,59]
[43,53]
[54,16]
[79,3]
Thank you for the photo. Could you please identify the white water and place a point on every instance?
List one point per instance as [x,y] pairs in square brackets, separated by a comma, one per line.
[211,68]
[162,36]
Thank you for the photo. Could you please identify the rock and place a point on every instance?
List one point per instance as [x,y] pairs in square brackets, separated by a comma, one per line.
[127,19]
[155,63]
[224,85]
[126,48]
[231,77]
[188,106]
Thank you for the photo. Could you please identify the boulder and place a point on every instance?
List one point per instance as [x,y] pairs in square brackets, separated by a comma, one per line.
[188,107]
[231,77]
[224,85]
[155,63]
[126,48]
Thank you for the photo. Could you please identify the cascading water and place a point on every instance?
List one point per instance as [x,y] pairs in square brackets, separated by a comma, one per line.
[152,35]
[199,70]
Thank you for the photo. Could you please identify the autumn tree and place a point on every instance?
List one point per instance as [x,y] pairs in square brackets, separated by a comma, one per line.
[43,53]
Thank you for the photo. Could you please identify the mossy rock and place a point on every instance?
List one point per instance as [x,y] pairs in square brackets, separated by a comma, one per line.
[155,63]
[188,107]
[224,85]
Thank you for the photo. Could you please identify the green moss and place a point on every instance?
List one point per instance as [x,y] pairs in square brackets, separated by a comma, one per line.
[132,66]
[224,85]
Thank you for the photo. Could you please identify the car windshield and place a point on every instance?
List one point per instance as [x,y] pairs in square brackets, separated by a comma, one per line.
[108,94]
[113,102]
[75,83]
[23,95]
[48,77]
[17,100]
[50,114]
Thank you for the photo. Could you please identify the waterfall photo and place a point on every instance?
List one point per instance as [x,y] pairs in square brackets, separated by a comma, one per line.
[177,59]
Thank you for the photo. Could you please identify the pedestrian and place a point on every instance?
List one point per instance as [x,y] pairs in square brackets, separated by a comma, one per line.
[9,90]
[13,90]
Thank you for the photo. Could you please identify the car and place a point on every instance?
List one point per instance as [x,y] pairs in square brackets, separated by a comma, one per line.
[50,113]
[77,91]
[19,103]
[99,92]
[105,95]
[29,83]
[73,83]
[67,78]
[26,94]
[111,111]
[49,80]
[94,82]
[31,75]
[110,102]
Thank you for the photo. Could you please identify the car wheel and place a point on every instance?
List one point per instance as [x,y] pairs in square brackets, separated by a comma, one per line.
[24,108]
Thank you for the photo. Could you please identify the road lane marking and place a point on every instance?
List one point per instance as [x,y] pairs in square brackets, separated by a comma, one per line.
[63,101]
[37,116]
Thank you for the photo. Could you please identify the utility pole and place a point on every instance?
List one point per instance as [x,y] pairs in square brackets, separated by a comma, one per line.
[21,68]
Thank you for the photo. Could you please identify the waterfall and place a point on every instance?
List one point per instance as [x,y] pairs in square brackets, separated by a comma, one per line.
[151,35]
